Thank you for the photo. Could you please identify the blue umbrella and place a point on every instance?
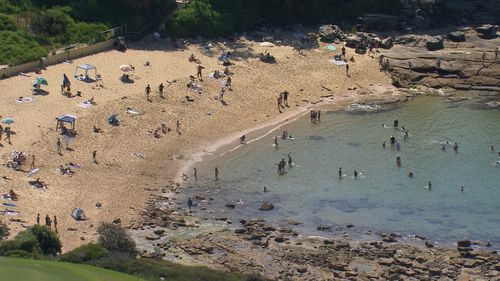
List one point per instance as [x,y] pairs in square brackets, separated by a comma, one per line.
[41,81]
[7,120]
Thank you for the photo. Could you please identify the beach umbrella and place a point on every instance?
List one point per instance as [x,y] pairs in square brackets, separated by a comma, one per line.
[41,81]
[126,68]
[7,120]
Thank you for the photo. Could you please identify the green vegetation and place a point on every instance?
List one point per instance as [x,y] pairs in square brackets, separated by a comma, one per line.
[115,251]
[222,17]
[41,270]
[34,241]
[4,230]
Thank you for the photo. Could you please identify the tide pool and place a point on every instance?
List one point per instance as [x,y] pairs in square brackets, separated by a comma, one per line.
[382,198]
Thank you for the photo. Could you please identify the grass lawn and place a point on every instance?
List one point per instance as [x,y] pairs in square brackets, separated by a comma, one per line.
[12,269]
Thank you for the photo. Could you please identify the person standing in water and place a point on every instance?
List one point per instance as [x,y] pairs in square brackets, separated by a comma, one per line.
[398,146]
[429,185]
[355,174]
[455,147]
[410,174]
[462,188]
[396,123]
[398,160]
[195,174]
[216,173]
[340,172]
[383,144]
[190,204]
[289,160]
[276,142]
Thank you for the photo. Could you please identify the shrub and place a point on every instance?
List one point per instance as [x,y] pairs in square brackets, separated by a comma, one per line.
[48,240]
[16,48]
[6,246]
[27,242]
[4,231]
[18,254]
[85,253]
[114,238]
[7,23]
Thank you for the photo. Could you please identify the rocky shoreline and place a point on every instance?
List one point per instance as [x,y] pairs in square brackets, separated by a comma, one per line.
[279,253]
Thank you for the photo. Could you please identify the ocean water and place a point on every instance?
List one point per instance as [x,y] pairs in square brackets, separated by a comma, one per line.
[383,198]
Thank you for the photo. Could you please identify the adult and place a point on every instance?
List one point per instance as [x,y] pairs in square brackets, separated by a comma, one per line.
[32,162]
[285,97]
[396,123]
[198,72]
[398,160]
[94,156]
[290,160]
[7,135]
[340,172]
[216,173]
[160,89]
[190,204]
[59,146]
[195,174]
[38,219]
[148,91]
[228,83]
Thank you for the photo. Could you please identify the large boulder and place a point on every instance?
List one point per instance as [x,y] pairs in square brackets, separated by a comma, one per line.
[353,41]
[434,43]
[387,43]
[487,31]
[456,36]
[328,33]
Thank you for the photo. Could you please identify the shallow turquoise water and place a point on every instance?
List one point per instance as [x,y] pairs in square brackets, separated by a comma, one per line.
[383,198]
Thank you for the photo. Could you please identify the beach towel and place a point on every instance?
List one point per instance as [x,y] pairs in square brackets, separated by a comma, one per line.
[138,154]
[75,166]
[84,104]
[337,62]
[331,48]
[132,111]
[9,204]
[6,196]
[9,212]
[32,172]
[25,100]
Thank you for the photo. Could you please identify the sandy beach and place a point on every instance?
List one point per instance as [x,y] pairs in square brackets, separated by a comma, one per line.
[122,180]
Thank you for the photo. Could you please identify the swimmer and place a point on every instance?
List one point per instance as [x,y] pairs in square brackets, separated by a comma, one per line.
[462,188]
[429,185]
[289,160]
[383,144]
[407,134]
[410,174]
[355,174]
[340,172]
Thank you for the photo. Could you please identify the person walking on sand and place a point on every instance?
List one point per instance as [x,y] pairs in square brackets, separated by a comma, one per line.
[319,115]
[160,89]
[221,94]
[38,219]
[343,51]
[198,72]
[1,131]
[279,100]
[228,83]
[48,222]
[195,174]
[32,162]
[347,69]
[285,98]
[55,223]
[148,91]
[216,173]
[94,156]
[59,146]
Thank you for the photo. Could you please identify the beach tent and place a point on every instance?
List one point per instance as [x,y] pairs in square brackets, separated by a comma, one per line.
[78,214]
[85,68]
[66,118]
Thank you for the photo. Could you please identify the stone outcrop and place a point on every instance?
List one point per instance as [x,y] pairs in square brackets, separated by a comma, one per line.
[329,33]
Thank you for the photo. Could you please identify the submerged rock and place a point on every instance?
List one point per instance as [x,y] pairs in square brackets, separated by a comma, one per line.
[266,206]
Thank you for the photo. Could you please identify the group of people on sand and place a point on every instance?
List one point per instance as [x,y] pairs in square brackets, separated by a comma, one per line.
[282,100]
[48,222]
[315,116]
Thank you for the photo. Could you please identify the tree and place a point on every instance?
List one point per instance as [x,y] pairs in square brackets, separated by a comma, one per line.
[48,240]
[53,21]
[198,18]
[114,238]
